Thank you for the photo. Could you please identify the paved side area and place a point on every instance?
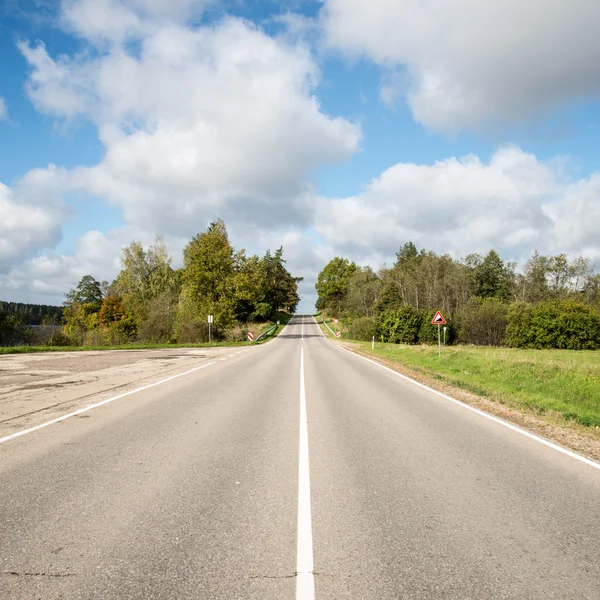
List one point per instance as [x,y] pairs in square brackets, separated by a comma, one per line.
[38,387]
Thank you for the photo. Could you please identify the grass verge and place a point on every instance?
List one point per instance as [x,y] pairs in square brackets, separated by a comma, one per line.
[283,319]
[560,383]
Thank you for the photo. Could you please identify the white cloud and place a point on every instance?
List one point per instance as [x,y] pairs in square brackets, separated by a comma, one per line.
[3,110]
[30,215]
[515,204]
[197,122]
[475,63]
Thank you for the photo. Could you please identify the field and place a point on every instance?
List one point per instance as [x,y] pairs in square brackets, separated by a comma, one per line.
[563,384]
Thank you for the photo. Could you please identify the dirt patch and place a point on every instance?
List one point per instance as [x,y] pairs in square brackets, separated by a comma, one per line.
[553,427]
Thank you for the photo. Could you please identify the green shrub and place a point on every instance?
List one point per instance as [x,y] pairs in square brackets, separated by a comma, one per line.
[60,338]
[567,325]
[483,322]
[428,333]
[363,328]
[400,326]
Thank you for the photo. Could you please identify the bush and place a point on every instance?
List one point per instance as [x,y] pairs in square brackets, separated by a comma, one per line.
[59,338]
[362,328]
[159,327]
[428,333]
[194,332]
[483,322]
[400,326]
[567,325]
[12,330]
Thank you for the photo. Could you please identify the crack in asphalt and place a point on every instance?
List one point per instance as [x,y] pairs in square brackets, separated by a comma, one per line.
[38,574]
[295,574]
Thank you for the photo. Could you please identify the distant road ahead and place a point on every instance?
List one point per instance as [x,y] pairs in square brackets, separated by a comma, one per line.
[293,470]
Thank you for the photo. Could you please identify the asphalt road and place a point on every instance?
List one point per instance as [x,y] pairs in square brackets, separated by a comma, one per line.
[230,481]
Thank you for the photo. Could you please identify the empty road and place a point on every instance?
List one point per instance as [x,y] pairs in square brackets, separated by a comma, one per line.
[292,470]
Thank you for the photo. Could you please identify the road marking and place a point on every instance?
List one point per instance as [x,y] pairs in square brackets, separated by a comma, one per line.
[305,579]
[528,434]
[12,436]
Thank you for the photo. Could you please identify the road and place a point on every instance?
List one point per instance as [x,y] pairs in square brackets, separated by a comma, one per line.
[293,470]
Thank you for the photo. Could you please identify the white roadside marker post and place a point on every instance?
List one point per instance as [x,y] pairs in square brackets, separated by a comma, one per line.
[373,344]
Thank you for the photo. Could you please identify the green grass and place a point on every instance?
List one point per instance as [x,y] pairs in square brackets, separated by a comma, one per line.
[558,382]
[28,349]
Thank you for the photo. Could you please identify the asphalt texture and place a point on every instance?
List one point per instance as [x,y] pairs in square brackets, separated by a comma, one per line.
[189,489]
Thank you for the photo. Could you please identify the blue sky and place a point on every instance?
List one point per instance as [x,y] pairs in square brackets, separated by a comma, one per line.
[343,131]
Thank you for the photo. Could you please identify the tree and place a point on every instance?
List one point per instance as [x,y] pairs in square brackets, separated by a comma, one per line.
[364,290]
[144,275]
[492,278]
[208,274]
[88,291]
[332,283]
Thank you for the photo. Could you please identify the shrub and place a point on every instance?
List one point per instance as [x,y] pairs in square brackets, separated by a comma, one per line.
[483,322]
[362,328]
[400,326]
[59,338]
[428,333]
[568,325]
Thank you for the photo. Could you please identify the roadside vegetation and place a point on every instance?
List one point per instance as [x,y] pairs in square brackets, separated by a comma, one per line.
[526,337]
[151,305]
[550,302]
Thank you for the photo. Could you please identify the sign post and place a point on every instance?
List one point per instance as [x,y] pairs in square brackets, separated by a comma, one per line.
[439,320]
[210,320]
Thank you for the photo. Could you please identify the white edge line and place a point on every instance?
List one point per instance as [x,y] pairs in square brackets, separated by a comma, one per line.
[305,578]
[524,432]
[12,436]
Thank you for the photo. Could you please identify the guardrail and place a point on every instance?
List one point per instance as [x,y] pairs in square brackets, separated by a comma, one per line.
[265,333]
[332,331]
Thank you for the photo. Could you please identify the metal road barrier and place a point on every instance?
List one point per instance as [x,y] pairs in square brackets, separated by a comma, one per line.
[324,323]
[265,333]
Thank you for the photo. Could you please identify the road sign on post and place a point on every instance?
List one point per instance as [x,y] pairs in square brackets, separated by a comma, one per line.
[210,320]
[250,336]
[439,320]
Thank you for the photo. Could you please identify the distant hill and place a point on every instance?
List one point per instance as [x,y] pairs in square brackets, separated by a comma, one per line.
[32,314]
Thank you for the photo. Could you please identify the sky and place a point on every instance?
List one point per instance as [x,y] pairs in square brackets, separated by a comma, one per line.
[331,128]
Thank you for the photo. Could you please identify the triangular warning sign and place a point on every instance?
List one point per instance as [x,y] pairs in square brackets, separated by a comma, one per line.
[438,319]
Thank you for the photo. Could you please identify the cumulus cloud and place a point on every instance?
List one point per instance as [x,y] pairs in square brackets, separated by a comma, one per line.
[30,215]
[513,203]
[196,121]
[472,64]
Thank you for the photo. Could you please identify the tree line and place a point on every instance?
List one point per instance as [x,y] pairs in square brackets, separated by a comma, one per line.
[31,314]
[150,301]
[548,302]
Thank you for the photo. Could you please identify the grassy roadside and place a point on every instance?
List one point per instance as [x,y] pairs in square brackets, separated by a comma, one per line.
[555,393]
[561,383]
[143,346]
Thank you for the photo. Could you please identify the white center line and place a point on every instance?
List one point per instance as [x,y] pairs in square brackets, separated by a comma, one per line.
[305,580]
